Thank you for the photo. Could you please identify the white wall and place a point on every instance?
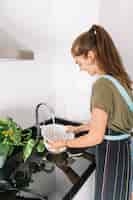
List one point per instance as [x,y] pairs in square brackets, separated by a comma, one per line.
[22,86]
[26,21]
[48,28]
[73,92]
[117,17]
[73,89]
[67,19]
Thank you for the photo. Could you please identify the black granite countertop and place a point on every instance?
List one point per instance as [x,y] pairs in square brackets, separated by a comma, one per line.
[47,176]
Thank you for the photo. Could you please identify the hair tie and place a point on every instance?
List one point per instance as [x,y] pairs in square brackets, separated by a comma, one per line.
[95,32]
[94,29]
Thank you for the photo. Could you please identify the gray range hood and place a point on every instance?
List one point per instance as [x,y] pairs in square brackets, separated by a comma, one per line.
[16,54]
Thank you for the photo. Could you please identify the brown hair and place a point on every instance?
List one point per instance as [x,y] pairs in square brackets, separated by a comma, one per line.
[107,56]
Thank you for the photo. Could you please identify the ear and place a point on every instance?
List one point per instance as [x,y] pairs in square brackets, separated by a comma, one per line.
[91,56]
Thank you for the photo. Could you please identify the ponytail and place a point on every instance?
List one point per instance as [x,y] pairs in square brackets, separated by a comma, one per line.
[107,56]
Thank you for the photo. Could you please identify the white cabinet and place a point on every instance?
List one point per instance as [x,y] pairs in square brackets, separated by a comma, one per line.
[87,190]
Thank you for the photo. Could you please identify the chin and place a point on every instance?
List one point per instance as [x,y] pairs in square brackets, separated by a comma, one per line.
[83,70]
[91,73]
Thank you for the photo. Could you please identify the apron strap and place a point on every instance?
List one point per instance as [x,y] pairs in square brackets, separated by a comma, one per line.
[121,89]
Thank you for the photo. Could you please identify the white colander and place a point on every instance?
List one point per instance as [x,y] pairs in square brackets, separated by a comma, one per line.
[53,132]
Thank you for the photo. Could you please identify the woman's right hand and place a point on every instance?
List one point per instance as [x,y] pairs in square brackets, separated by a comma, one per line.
[72,129]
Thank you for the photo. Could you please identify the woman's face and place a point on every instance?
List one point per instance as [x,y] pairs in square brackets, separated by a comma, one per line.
[86,64]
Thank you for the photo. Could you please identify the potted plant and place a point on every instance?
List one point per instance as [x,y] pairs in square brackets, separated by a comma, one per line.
[12,136]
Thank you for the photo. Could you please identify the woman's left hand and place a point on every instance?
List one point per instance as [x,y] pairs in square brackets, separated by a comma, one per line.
[57,144]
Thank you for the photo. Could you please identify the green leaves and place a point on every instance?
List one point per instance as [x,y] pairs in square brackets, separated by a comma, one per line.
[26,135]
[16,138]
[4,122]
[28,149]
[40,147]
[10,132]
[12,135]
[4,149]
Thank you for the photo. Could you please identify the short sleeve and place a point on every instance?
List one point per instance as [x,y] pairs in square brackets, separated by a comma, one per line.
[102,96]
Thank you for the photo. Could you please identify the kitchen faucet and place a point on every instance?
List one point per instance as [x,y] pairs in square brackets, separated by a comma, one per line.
[37,116]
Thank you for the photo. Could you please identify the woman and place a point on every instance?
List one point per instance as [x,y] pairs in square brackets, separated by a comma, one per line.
[95,52]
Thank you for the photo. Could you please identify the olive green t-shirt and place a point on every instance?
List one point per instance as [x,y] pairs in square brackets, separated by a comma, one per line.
[106,96]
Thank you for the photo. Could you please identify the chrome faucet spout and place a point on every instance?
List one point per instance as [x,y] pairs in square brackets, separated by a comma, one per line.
[37,116]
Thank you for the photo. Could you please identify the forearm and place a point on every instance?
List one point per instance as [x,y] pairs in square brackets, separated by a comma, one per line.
[95,135]
[84,127]
[87,140]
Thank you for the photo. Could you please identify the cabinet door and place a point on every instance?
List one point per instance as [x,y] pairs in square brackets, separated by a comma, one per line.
[87,190]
